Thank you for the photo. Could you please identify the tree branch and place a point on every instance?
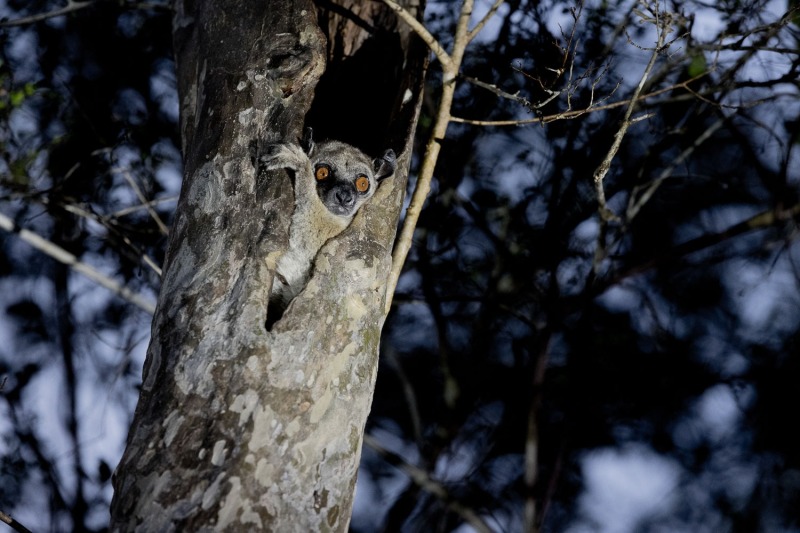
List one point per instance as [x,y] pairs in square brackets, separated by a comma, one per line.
[479,26]
[574,113]
[635,203]
[140,195]
[72,5]
[75,5]
[422,32]
[759,221]
[498,91]
[423,186]
[423,480]
[605,165]
[16,526]
[63,256]
[102,220]
[606,215]
[147,205]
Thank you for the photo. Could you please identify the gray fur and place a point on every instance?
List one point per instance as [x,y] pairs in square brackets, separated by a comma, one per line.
[322,209]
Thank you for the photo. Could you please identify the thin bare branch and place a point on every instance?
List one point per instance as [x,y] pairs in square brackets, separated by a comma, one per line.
[107,221]
[531,471]
[421,31]
[423,186]
[479,26]
[16,526]
[408,392]
[605,165]
[63,256]
[75,5]
[764,219]
[152,203]
[637,201]
[140,195]
[662,23]
[72,5]
[423,480]
[564,115]
[498,91]
[149,261]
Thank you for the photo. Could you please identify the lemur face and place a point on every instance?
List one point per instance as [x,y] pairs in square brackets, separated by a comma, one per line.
[345,177]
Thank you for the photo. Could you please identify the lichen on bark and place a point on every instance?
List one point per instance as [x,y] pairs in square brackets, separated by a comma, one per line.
[238,427]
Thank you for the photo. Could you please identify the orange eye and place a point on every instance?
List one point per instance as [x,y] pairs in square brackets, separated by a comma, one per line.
[322,173]
[362,184]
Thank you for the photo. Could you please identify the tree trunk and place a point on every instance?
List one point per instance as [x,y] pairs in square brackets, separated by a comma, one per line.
[238,427]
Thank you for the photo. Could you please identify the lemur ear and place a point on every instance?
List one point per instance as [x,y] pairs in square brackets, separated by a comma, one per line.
[307,143]
[385,165]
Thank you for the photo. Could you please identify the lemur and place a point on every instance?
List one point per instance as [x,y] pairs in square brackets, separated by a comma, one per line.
[332,180]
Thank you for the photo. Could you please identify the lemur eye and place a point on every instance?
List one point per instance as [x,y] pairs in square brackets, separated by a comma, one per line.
[362,183]
[322,172]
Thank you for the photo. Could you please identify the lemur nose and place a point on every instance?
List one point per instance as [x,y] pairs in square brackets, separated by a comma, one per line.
[344,196]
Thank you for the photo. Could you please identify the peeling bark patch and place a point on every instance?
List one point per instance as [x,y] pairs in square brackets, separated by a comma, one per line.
[234,502]
[272,260]
[264,472]
[253,364]
[211,495]
[263,419]
[293,428]
[341,359]
[206,182]
[152,485]
[355,307]
[171,425]
[320,407]
[333,516]
[218,455]
[251,517]
[151,369]
[230,507]
[244,405]
[246,116]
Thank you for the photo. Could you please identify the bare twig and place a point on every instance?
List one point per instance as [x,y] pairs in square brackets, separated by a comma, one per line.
[726,85]
[479,26]
[103,221]
[72,5]
[764,219]
[531,472]
[134,208]
[63,256]
[75,5]
[606,215]
[152,212]
[574,113]
[423,480]
[498,91]
[422,32]
[450,66]
[16,526]
[636,201]
[408,392]
[107,221]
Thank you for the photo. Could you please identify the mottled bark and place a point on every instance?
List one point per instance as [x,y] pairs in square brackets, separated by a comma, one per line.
[239,428]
